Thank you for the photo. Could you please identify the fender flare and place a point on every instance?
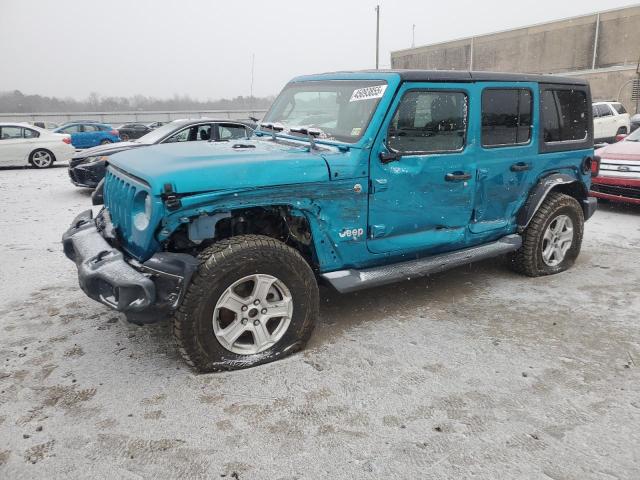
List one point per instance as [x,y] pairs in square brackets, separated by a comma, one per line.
[539,193]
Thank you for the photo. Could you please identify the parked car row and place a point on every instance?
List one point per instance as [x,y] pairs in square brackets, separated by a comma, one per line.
[610,119]
[87,167]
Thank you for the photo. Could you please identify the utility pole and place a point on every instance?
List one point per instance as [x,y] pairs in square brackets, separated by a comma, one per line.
[413,36]
[377,36]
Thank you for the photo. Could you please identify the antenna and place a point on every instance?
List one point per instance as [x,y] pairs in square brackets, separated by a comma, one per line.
[413,36]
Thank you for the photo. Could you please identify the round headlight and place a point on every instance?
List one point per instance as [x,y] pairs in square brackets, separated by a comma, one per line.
[96,159]
[142,210]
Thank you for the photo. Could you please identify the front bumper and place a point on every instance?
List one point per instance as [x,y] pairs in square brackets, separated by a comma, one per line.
[86,175]
[624,190]
[106,275]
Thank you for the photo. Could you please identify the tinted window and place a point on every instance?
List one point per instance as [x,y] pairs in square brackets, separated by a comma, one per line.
[91,128]
[619,108]
[9,133]
[71,129]
[564,115]
[604,110]
[429,122]
[28,133]
[231,132]
[594,109]
[506,117]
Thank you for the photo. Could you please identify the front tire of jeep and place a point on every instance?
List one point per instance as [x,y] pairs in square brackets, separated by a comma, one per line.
[253,300]
[552,240]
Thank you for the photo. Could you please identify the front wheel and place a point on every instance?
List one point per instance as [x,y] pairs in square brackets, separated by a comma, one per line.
[41,158]
[252,301]
[552,240]
[105,142]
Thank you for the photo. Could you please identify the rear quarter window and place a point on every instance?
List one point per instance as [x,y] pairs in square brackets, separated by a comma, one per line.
[566,119]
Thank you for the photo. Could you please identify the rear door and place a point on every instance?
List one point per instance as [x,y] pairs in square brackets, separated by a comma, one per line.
[90,135]
[422,200]
[13,146]
[507,155]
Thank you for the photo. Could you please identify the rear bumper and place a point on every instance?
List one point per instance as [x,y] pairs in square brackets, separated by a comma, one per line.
[106,275]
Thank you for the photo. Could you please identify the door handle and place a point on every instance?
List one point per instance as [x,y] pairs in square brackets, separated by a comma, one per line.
[520,167]
[457,177]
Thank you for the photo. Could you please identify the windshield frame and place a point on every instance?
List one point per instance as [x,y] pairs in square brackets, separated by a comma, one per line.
[365,82]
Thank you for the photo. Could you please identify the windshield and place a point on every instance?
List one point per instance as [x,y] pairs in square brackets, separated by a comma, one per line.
[340,110]
[159,133]
[634,136]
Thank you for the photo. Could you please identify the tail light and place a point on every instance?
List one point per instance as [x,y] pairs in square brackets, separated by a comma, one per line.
[595,166]
[67,140]
[114,132]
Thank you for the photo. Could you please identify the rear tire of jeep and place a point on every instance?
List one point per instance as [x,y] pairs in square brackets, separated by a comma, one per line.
[226,320]
[552,240]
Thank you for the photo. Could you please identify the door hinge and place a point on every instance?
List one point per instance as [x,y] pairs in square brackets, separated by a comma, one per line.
[170,198]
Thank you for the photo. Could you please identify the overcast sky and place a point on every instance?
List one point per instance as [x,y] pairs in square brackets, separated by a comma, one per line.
[203,48]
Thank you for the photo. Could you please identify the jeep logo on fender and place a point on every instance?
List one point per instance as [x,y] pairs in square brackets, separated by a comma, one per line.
[354,233]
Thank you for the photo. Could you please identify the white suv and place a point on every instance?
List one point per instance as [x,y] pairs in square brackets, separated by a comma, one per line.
[609,119]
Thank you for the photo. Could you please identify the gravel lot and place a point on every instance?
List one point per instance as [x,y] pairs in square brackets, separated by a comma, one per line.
[475,373]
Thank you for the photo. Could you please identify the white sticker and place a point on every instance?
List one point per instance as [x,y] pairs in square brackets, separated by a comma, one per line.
[368,93]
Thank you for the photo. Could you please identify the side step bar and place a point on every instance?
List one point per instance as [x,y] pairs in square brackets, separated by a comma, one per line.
[346,281]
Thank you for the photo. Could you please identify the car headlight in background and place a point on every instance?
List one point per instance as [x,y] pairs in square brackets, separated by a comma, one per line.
[142,206]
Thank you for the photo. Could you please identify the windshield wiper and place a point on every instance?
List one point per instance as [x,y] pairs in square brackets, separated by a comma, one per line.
[274,127]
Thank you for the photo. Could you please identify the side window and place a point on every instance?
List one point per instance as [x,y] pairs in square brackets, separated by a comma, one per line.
[506,117]
[71,129]
[28,133]
[11,133]
[429,122]
[618,107]
[231,132]
[203,132]
[594,109]
[564,115]
[604,110]
[90,128]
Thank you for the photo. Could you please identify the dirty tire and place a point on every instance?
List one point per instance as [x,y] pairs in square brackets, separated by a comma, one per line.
[221,265]
[528,259]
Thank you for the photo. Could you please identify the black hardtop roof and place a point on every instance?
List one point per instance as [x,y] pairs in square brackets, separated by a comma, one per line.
[466,76]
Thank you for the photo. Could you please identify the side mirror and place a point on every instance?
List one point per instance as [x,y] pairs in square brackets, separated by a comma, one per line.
[391,156]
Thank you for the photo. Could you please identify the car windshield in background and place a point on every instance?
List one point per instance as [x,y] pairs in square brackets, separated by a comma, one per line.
[341,110]
[158,134]
[634,136]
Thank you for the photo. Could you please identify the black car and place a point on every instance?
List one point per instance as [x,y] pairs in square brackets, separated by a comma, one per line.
[87,167]
[635,122]
[132,131]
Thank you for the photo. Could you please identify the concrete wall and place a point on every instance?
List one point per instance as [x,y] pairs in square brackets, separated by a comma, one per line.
[118,118]
[565,46]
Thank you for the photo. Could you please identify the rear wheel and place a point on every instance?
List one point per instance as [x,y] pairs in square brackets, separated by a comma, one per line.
[41,158]
[552,240]
[252,301]
[124,137]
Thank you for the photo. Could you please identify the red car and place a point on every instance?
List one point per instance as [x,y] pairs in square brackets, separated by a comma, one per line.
[619,177]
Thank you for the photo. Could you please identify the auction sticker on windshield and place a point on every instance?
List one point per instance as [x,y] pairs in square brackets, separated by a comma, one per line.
[367,93]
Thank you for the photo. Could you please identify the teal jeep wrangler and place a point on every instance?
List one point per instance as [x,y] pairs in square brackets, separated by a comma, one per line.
[354,179]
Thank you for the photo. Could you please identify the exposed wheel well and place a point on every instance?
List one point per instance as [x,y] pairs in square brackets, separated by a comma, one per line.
[279,222]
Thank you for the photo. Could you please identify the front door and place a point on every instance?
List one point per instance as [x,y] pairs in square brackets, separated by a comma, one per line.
[422,200]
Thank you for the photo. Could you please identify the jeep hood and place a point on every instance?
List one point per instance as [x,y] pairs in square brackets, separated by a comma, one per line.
[195,167]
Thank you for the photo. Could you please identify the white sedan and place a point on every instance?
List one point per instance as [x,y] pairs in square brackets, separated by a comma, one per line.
[21,143]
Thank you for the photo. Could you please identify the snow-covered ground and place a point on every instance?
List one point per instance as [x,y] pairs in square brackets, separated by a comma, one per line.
[474,373]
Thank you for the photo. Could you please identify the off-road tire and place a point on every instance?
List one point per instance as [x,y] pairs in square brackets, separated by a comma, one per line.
[220,266]
[528,259]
